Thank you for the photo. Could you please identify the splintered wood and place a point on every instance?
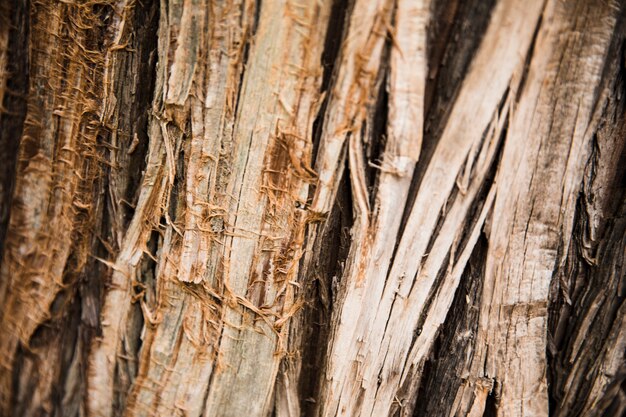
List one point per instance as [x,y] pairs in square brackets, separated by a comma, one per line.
[287,207]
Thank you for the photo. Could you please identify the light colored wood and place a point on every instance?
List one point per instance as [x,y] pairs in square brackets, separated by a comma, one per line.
[186,166]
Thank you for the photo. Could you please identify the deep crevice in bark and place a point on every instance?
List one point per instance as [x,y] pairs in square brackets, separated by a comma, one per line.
[15,15]
[374,136]
[452,350]
[331,250]
[338,25]
[141,60]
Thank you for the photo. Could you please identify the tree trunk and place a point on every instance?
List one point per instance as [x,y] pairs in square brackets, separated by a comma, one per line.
[317,208]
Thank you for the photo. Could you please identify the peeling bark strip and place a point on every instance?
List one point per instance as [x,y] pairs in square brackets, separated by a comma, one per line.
[321,208]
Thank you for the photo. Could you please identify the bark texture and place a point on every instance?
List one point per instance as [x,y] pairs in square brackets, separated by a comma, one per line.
[317,208]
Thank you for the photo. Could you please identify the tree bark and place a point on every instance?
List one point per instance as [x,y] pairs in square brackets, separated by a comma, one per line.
[316,208]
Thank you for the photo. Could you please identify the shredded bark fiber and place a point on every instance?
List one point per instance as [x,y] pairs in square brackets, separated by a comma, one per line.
[312,208]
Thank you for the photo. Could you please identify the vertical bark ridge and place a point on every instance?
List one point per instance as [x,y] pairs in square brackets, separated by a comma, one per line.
[269,216]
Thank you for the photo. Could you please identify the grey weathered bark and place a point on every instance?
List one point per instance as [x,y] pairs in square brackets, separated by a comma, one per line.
[320,208]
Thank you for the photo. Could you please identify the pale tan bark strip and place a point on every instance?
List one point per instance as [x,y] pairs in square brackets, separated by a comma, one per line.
[271,148]
[183,324]
[372,251]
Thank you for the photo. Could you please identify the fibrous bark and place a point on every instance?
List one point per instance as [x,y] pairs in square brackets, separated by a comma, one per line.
[321,208]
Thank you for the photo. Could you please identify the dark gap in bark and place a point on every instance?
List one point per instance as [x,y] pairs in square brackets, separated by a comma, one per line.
[176,201]
[588,292]
[491,405]
[453,348]
[13,14]
[477,205]
[375,126]
[50,351]
[454,34]
[375,138]
[141,60]
[248,38]
[318,124]
[338,24]
[255,22]
[331,250]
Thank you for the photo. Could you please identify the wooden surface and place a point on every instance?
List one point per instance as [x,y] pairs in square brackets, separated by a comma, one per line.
[319,208]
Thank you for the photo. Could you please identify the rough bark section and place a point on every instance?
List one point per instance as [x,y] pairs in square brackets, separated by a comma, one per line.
[327,243]
[374,351]
[350,132]
[458,249]
[145,268]
[451,352]
[54,207]
[587,322]
[549,137]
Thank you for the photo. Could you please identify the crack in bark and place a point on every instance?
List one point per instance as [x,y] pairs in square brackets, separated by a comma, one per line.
[171,251]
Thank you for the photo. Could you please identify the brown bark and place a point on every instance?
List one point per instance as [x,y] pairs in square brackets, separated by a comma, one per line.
[320,208]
